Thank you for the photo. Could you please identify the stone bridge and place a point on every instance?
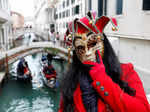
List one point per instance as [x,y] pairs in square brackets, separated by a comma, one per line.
[34,47]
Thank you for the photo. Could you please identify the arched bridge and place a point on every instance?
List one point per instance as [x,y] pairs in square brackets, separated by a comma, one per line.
[34,47]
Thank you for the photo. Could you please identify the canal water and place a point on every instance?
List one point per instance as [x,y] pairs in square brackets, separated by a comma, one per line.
[33,97]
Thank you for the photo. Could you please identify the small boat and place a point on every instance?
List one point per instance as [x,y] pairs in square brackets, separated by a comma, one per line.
[49,76]
[48,73]
[23,71]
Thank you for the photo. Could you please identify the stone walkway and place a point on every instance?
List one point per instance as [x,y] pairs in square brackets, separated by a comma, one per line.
[2,75]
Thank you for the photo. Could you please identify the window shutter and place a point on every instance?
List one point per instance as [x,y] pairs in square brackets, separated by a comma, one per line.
[146,4]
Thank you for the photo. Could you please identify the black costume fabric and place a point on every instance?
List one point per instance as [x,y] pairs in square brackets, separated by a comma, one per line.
[89,95]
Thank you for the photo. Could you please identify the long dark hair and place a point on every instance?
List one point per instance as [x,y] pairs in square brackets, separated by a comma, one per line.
[70,79]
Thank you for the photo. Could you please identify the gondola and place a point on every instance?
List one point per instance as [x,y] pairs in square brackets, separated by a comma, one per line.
[48,73]
[49,81]
[23,71]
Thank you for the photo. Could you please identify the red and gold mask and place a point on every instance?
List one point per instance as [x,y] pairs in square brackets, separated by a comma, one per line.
[86,45]
[86,34]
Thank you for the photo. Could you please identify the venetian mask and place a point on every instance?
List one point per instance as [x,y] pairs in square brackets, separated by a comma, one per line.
[86,45]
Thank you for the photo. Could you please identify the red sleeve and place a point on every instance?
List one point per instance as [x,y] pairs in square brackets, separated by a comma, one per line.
[118,100]
[61,105]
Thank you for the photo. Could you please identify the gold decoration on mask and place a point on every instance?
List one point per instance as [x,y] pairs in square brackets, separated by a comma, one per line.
[90,22]
[69,35]
[98,38]
[114,29]
[83,38]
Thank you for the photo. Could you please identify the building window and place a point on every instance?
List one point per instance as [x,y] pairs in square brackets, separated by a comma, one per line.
[119,7]
[63,14]
[63,4]
[105,8]
[3,39]
[72,1]
[56,16]
[72,11]
[68,2]
[100,8]
[76,9]
[90,5]
[0,4]
[60,15]
[67,13]
[146,4]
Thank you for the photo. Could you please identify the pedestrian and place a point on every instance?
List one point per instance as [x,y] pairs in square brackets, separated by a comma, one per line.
[57,36]
[96,81]
[49,35]
[53,37]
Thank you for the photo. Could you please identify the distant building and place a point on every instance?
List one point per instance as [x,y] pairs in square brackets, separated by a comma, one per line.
[66,11]
[44,16]
[5,25]
[18,20]
[41,15]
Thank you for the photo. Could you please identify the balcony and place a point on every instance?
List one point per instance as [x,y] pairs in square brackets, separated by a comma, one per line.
[4,16]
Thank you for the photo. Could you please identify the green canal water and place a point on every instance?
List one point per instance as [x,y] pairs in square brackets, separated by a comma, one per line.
[35,97]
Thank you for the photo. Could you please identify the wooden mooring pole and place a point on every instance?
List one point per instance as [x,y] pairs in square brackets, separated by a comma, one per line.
[4,75]
[6,66]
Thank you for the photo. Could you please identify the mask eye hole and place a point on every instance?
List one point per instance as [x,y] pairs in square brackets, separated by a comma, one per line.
[80,49]
[92,41]
[91,44]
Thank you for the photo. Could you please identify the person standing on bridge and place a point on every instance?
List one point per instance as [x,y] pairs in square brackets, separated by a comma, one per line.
[96,81]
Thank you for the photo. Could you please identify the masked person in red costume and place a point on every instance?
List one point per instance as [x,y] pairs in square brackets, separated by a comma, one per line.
[96,81]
